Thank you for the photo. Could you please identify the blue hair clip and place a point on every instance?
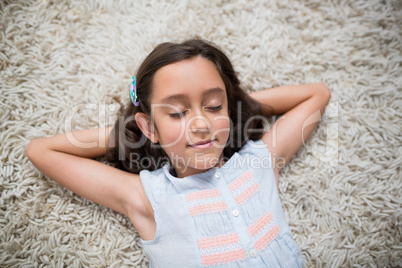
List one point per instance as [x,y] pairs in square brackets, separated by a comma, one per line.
[133,92]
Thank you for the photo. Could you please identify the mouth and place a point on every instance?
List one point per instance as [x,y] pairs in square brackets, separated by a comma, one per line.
[202,144]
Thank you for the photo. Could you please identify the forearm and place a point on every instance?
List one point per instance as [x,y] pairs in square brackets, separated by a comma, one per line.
[283,99]
[89,143]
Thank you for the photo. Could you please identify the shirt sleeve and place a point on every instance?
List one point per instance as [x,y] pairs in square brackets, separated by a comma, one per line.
[257,148]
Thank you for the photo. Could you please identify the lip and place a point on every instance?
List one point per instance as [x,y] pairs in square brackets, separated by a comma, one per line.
[202,144]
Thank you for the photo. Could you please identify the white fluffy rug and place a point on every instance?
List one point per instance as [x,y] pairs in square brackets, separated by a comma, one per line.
[60,62]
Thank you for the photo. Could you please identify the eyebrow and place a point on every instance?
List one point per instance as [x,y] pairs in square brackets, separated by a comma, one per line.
[172,98]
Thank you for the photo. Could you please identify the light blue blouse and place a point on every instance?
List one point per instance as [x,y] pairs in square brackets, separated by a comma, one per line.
[225,217]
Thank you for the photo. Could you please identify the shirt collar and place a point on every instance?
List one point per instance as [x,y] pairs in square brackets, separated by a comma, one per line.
[201,181]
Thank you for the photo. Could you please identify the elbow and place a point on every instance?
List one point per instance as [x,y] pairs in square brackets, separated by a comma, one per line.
[324,92]
[324,95]
[32,149]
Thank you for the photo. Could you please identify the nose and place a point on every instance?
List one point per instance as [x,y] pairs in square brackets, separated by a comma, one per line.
[199,124]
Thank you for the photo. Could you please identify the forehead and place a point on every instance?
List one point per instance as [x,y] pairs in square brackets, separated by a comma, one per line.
[189,79]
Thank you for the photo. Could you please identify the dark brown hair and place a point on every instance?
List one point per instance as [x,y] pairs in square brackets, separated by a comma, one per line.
[135,152]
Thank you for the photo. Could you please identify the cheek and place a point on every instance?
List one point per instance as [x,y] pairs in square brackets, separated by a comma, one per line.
[170,131]
[222,126]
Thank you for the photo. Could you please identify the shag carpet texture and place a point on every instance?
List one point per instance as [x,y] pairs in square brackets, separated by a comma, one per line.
[62,61]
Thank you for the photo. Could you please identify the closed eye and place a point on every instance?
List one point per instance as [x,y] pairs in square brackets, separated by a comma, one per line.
[177,115]
[215,108]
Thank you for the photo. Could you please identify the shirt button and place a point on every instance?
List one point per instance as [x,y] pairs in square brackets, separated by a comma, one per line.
[235,212]
[253,253]
[217,174]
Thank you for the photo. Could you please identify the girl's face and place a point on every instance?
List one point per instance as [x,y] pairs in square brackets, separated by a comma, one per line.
[190,113]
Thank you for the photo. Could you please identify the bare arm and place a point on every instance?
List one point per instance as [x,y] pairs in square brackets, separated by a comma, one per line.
[302,107]
[66,158]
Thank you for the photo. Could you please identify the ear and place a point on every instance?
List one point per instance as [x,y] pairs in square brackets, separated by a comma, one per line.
[144,123]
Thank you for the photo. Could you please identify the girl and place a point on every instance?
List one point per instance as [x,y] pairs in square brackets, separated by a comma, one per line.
[197,170]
